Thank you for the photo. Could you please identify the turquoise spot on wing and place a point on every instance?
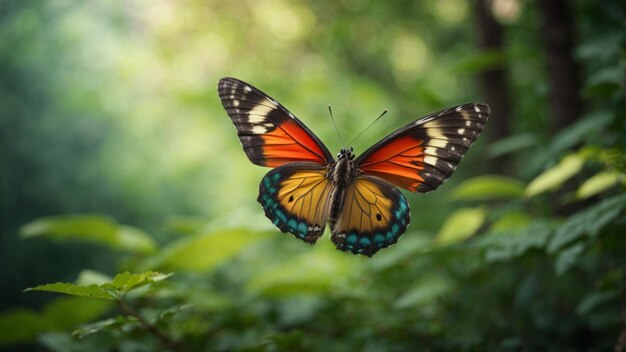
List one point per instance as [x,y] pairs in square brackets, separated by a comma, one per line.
[351,239]
[378,239]
[280,215]
[365,242]
[302,228]
[395,228]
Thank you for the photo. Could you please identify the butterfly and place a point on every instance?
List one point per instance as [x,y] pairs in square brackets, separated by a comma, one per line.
[307,188]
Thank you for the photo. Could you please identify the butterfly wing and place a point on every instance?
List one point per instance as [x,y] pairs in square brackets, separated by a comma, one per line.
[269,133]
[423,154]
[295,197]
[373,216]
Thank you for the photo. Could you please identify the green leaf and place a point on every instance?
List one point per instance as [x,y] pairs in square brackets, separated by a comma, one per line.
[587,222]
[92,291]
[461,225]
[125,282]
[91,228]
[509,243]
[511,221]
[20,325]
[67,312]
[511,144]
[111,323]
[315,272]
[206,251]
[598,183]
[567,258]
[424,293]
[89,277]
[120,285]
[488,187]
[187,225]
[595,299]
[556,176]
[580,130]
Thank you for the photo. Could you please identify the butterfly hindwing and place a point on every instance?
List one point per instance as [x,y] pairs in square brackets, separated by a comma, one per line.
[422,155]
[295,198]
[373,216]
[269,133]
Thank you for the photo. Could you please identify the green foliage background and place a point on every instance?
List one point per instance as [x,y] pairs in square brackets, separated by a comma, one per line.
[116,157]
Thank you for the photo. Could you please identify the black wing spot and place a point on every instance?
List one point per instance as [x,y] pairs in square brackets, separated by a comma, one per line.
[291,198]
[378,217]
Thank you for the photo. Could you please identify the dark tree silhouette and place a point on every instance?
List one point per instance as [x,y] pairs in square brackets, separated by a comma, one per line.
[493,81]
[557,33]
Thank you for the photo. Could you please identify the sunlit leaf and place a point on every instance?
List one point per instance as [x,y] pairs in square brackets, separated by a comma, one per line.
[461,225]
[488,187]
[555,176]
[314,272]
[92,291]
[121,284]
[126,281]
[89,277]
[92,228]
[511,221]
[598,183]
[208,250]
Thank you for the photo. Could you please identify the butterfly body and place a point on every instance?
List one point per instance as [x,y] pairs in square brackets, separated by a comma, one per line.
[307,188]
[343,173]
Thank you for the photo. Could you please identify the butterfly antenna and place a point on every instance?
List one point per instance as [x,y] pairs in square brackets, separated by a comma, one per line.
[334,124]
[366,128]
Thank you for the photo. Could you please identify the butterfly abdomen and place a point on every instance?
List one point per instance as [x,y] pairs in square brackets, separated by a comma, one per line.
[343,174]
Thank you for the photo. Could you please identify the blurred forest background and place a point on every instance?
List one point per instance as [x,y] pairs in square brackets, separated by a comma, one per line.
[116,156]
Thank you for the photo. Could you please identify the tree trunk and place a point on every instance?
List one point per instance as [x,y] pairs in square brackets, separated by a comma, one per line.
[494,81]
[565,103]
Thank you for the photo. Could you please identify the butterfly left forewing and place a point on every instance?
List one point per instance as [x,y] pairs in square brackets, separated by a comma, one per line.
[422,155]
[295,198]
[373,216]
[269,133]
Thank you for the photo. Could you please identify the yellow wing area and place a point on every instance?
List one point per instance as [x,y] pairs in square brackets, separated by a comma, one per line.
[365,208]
[373,216]
[305,194]
[295,197]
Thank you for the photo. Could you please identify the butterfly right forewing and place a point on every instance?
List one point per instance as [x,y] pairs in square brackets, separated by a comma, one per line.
[423,154]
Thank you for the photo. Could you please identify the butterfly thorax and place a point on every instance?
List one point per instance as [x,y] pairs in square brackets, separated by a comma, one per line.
[343,174]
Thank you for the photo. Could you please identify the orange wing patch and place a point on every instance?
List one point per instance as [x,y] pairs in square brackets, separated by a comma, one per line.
[423,154]
[269,133]
[287,143]
[399,162]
